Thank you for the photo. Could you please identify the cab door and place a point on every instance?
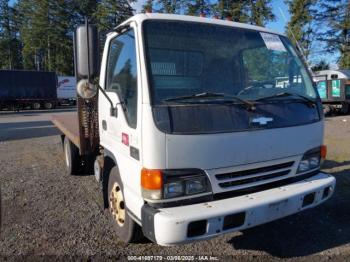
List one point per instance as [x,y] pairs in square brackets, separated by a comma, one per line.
[121,133]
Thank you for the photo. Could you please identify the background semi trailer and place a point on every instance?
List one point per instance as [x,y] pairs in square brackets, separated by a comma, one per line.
[334,89]
[21,89]
[190,129]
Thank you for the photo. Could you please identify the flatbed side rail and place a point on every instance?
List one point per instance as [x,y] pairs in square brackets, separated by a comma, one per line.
[69,126]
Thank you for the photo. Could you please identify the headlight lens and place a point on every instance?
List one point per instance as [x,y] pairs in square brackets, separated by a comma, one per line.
[304,166]
[314,162]
[196,185]
[173,189]
[175,183]
[311,160]
[180,185]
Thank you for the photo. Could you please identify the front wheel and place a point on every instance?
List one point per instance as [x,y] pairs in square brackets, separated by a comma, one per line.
[127,229]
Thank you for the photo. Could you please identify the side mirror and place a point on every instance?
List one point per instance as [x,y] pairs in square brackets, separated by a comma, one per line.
[86,59]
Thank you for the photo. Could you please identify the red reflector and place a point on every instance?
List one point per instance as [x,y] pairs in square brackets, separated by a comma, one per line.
[125,139]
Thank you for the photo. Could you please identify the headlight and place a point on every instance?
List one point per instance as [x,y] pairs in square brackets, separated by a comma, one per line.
[311,160]
[174,189]
[173,183]
[196,185]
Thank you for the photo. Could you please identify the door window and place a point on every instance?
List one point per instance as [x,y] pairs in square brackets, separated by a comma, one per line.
[122,73]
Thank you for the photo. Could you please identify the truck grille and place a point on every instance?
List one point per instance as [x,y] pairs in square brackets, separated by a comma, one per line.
[253,177]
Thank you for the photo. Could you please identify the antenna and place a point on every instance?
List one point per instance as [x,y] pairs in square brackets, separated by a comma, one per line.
[302,51]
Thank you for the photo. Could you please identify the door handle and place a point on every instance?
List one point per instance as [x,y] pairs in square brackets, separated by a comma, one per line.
[104,125]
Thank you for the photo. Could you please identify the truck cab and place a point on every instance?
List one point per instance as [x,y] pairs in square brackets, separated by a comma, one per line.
[197,136]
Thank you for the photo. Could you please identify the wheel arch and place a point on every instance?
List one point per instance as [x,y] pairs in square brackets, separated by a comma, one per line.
[109,162]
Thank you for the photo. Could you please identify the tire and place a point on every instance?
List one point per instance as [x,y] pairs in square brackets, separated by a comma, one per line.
[48,105]
[327,110]
[126,228]
[71,157]
[344,108]
[36,106]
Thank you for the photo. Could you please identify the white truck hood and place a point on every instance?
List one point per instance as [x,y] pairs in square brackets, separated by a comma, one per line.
[211,151]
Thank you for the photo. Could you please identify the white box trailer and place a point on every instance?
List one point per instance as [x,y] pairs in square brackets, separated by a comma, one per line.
[66,90]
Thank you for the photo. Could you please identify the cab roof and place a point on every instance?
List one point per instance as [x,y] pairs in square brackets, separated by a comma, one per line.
[139,18]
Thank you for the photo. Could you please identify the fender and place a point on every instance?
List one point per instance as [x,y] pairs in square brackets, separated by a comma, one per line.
[109,162]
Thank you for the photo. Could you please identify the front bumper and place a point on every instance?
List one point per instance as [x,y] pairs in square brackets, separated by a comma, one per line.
[176,225]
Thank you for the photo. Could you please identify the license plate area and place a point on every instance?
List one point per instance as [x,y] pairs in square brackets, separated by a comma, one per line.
[272,211]
[278,209]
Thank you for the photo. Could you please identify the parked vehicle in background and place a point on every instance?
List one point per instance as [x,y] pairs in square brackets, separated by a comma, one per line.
[66,90]
[21,89]
[333,86]
[196,128]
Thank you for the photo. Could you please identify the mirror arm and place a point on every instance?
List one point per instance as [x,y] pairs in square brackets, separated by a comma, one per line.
[113,109]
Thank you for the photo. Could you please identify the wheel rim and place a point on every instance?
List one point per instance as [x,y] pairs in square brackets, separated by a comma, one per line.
[117,204]
[67,153]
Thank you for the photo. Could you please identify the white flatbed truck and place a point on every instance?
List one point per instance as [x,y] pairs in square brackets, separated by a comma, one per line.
[188,131]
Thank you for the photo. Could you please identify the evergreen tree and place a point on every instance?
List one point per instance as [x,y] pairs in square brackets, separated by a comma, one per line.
[256,12]
[198,7]
[46,36]
[335,16]
[10,46]
[148,6]
[168,6]
[260,12]
[299,28]
[233,9]
[111,13]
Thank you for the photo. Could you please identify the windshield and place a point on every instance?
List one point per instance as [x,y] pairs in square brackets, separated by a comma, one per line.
[186,58]
[206,78]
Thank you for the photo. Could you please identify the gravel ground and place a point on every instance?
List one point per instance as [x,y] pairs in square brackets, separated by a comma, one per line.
[48,214]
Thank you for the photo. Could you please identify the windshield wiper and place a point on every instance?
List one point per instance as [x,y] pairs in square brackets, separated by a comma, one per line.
[194,96]
[309,101]
[250,105]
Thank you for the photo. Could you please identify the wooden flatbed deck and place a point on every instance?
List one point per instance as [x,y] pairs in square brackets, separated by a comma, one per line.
[68,124]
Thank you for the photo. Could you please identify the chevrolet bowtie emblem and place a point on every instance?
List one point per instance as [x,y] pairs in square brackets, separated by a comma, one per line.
[261,120]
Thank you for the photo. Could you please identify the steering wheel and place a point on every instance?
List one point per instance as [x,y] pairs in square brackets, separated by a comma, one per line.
[257,86]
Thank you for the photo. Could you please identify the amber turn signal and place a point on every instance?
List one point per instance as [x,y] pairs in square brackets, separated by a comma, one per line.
[151,179]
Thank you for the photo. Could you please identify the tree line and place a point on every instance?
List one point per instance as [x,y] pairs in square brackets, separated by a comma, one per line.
[37,34]
[324,23]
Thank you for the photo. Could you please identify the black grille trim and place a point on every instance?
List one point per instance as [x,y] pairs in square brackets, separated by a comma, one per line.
[255,189]
[253,171]
[254,179]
